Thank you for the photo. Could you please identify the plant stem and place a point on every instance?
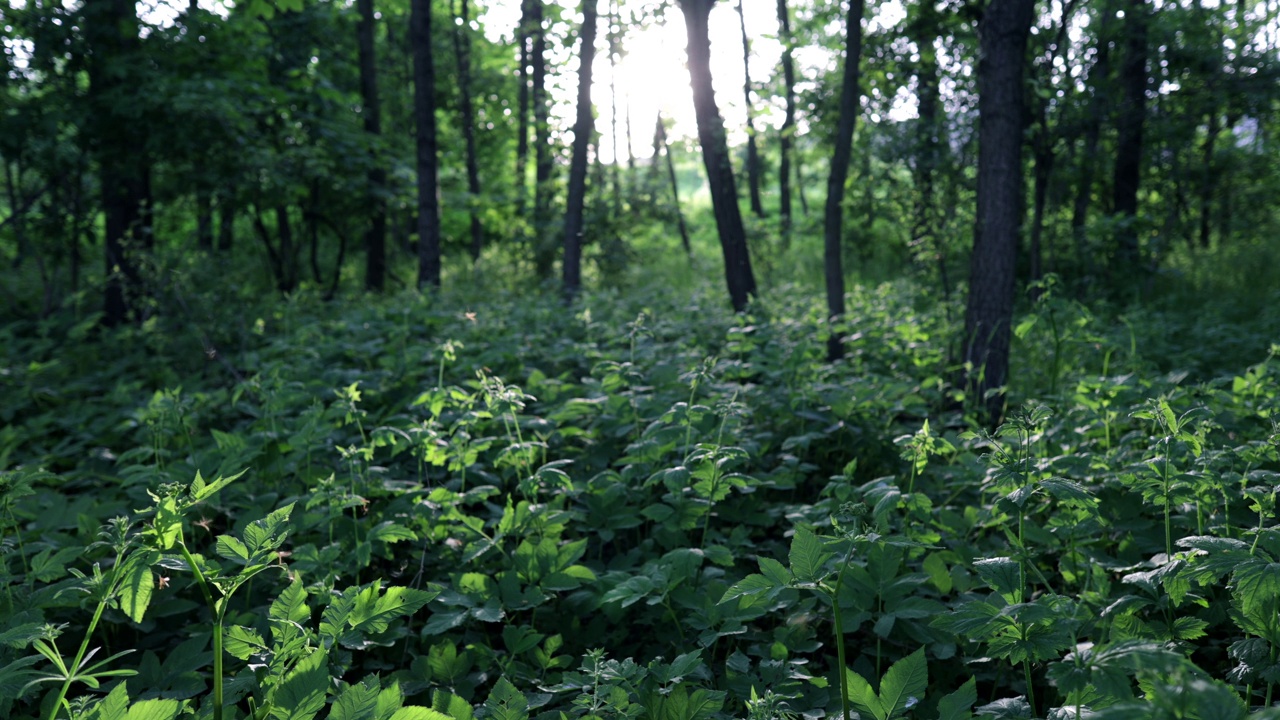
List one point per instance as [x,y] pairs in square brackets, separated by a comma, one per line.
[1031,693]
[84,647]
[217,629]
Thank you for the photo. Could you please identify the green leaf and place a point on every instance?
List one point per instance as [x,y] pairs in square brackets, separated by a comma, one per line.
[862,697]
[111,707]
[956,705]
[390,532]
[232,549]
[753,584]
[451,705]
[200,490]
[807,555]
[356,702]
[905,680]
[154,710]
[243,643]
[775,571]
[1002,574]
[302,692]
[291,604]
[416,712]
[137,584]
[505,702]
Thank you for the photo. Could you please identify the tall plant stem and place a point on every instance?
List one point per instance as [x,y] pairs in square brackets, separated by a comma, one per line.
[217,629]
[84,648]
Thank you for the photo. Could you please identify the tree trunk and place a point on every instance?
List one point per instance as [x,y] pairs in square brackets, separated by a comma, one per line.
[788,122]
[929,145]
[111,29]
[660,138]
[1129,126]
[204,219]
[424,109]
[616,175]
[226,220]
[375,238]
[753,151]
[582,128]
[287,279]
[524,36]
[462,51]
[1207,178]
[833,219]
[715,156]
[543,246]
[1003,41]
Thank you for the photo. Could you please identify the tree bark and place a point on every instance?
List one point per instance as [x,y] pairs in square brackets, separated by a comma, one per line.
[1098,76]
[375,238]
[226,220]
[788,123]
[616,174]
[462,52]
[660,142]
[833,219]
[424,108]
[522,121]
[753,150]
[1002,35]
[111,29]
[715,157]
[1129,127]
[543,245]
[582,127]
[928,135]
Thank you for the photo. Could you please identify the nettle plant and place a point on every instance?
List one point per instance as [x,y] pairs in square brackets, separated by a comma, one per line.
[288,678]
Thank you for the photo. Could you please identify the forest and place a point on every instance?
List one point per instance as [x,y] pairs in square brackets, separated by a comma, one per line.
[639,359]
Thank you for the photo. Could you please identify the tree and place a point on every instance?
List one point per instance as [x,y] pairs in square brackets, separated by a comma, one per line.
[424,108]
[715,157]
[787,139]
[753,150]
[111,31]
[1002,35]
[462,52]
[660,146]
[582,129]
[375,238]
[833,220]
[544,163]
[1129,123]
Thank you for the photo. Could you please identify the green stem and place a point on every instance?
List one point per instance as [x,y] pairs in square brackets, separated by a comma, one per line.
[1031,693]
[217,628]
[75,665]
[839,622]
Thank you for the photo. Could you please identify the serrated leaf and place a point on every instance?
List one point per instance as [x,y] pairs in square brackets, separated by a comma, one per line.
[356,702]
[200,490]
[137,584]
[904,680]
[231,548]
[291,604]
[505,702]
[863,697]
[807,555]
[955,706]
[1002,574]
[451,705]
[242,642]
[154,710]
[302,692]
[113,706]
[753,584]
[390,532]
[417,712]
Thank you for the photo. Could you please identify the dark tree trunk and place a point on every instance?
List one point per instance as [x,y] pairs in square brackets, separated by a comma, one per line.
[424,109]
[833,225]
[204,219]
[1207,178]
[524,34]
[375,238]
[929,142]
[616,174]
[787,138]
[1098,77]
[660,143]
[1129,126]
[1042,173]
[226,221]
[715,156]
[111,29]
[753,151]
[543,244]
[287,279]
[1003,41]
[462,51]
[582,127]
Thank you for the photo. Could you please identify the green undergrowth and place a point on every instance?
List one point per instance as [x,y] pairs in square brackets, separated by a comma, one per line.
[488,505]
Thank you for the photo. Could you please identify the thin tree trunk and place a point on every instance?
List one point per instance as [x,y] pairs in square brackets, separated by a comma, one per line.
[616,174]
[788,122]
[753,151]
[522,121]
[660,138]
[715,156]
[375,238]
[929,145]
[226,220]
[462,51]
[833,225]
[1098,76]
[1129,127]
[424,108]
[1042,173]
[544,247]
[204,219]
[1002,37]
[582,127]
[1206,179]
[287,281]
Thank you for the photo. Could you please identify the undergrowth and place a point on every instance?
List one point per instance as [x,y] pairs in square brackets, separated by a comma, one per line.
[491,506]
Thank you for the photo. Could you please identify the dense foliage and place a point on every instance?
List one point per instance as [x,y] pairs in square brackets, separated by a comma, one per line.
[486,506]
